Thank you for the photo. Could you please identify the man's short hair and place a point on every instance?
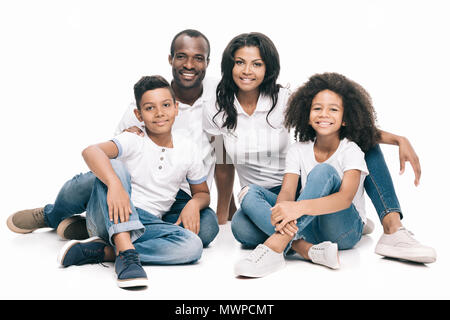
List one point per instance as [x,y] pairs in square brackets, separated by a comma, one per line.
[193,34]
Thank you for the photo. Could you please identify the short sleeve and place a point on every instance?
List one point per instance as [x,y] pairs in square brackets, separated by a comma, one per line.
[128,144]
[196,173]
[293,159]
[353,159]
[128,120]
[210,122]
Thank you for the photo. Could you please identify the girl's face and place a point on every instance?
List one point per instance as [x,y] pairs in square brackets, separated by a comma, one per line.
[326,114]
[249,69]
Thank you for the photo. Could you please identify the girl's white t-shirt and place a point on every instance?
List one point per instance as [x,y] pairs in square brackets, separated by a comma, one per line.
[301,160]
[256,147]
[158,172]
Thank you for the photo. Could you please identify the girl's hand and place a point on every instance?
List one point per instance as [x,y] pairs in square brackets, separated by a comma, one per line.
[284,212]
[290,228]
[190,217]
[118,201]
[135,130]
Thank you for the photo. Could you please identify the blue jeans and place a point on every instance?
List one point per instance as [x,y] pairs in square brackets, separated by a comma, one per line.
[75,194]
[343,227]
[378,185]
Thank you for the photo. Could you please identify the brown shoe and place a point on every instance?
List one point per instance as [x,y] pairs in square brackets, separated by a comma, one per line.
[26,221]
[73,228]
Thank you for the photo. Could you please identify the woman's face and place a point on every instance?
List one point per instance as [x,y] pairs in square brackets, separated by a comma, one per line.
[249,69]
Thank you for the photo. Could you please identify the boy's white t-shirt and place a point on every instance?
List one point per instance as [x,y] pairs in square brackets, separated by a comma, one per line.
[257,148]
[188,123]
[158,172]
[300,160]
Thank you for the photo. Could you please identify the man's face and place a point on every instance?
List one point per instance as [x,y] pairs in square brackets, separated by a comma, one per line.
[189,61]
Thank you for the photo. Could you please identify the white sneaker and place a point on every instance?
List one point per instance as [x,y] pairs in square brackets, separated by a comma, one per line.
[326,254]
[369,226]
[402,245]
[260,262]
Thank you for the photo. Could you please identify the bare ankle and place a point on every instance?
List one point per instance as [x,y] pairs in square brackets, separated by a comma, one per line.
[302,247]
[391,222]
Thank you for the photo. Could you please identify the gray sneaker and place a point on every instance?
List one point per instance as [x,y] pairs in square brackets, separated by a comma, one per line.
[402,245]
[26,221]
[73,228]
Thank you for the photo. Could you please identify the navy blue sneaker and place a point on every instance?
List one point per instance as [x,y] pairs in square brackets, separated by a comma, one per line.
[129,270]
[79,252]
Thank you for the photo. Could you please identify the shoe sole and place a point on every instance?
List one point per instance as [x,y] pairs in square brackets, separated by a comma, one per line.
[62,253]
[130,283]
[64,224]
[404,254]
[250,274]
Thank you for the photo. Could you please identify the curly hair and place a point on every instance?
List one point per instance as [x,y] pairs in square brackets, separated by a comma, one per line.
[359,114]
[227,89]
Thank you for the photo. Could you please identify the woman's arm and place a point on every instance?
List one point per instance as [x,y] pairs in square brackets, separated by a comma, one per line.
[286,211]
[406,153]
[97,158]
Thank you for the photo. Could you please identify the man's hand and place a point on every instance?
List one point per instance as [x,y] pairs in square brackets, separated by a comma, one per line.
[135,130]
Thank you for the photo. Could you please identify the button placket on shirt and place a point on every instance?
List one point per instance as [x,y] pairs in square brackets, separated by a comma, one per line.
[161,159]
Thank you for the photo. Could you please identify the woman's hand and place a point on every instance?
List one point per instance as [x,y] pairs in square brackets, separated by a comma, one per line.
[407,153]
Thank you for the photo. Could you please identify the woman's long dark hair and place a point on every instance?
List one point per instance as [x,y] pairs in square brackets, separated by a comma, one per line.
[227,89]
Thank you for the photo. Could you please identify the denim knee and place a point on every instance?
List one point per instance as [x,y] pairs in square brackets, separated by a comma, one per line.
[209,226]
[192,248]
[251,193]
[322,171]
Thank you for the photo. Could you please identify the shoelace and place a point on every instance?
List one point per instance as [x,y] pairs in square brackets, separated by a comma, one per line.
[129,257]
[257,254]
[409,234]
[38,215]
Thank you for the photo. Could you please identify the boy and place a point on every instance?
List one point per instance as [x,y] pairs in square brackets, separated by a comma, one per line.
[148,169]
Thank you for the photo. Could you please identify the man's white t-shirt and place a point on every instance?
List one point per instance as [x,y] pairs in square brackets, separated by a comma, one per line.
[188,123]
[158,172]
[257,148]
[301,160]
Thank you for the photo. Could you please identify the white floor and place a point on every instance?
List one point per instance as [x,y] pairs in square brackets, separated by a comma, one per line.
[29,271]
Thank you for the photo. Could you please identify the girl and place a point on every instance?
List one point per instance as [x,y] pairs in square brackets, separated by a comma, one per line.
[334,123]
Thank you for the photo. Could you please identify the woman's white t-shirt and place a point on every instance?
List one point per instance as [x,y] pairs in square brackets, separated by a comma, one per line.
[158,172]
[257,147]
[301,160]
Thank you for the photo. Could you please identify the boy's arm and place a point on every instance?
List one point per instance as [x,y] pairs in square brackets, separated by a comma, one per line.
[406,153]
[286,211]
[190,215]
[97,158]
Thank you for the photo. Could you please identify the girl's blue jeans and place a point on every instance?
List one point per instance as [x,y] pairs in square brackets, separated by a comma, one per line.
[251,223]
[157,241]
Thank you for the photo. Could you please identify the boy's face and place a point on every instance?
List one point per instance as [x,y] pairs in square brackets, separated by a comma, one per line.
[189,61]
[158,111]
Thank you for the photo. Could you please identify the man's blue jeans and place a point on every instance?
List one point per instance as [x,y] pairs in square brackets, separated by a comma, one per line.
[250,228]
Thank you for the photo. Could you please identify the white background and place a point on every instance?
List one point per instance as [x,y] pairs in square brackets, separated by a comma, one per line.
[66,74]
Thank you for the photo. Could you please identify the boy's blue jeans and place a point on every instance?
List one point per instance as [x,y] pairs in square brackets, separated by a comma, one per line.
[84,193]
[251,223]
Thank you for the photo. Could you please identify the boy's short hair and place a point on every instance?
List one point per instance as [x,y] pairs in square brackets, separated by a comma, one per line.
[150,83]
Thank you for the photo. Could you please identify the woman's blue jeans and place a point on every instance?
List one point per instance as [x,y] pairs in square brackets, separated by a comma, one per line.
[251,226]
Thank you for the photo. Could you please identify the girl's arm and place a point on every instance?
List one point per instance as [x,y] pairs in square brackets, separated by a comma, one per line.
[97,158]
[288,187]
[190,215]
[286,211]
[406,153]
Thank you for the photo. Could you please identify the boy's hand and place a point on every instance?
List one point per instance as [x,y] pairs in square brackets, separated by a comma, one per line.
[284,212]
[190,217]
[135,130]
[119,207]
